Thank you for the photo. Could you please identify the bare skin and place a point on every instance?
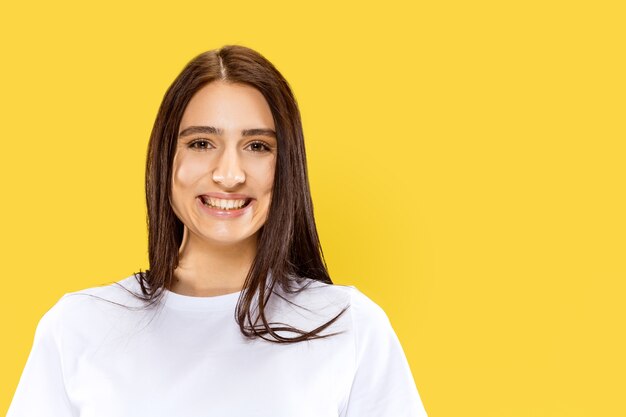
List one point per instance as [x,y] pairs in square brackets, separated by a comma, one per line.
[211,272]
[216,253]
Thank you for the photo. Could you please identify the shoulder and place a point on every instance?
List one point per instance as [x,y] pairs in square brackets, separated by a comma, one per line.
[362,311]
[120,291]
[368,317]
[362,305]
[88,305]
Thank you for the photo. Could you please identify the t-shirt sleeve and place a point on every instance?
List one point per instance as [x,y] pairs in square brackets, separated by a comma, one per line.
[41,388]
[383,385]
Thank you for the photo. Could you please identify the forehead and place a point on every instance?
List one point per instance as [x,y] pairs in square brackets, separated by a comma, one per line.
[228,106]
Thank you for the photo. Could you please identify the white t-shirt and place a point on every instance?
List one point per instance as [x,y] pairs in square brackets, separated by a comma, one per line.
[93,358]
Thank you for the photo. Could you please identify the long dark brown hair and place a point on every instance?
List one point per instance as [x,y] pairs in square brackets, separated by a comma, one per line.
[288,244]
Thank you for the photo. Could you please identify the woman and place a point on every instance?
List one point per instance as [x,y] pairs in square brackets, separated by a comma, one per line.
[237,315]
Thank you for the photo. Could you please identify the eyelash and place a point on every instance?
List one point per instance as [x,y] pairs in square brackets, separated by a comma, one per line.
[266,147]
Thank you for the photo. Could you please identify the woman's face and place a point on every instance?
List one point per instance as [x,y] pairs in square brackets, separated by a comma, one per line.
[223,168]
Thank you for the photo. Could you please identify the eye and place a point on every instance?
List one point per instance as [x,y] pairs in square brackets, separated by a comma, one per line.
[258,146]
[199,144]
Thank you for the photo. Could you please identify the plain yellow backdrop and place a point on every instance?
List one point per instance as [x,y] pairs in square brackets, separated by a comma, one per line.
[466,161]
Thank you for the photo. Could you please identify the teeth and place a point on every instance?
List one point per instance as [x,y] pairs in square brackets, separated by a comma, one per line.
[223,204]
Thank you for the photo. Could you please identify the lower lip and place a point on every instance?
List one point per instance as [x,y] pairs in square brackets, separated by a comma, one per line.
[224,214]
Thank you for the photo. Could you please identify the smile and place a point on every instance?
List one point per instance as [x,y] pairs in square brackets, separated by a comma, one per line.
[219,203]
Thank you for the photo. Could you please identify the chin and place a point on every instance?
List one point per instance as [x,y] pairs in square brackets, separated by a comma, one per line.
[228,240]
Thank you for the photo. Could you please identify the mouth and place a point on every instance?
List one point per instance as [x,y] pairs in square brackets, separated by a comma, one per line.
[225,204]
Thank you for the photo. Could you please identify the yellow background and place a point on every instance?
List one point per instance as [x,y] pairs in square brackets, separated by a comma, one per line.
[466,162]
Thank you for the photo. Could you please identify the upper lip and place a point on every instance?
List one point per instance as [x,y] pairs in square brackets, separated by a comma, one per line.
[229,196]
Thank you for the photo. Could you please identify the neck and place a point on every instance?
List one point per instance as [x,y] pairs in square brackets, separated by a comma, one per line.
[208,269]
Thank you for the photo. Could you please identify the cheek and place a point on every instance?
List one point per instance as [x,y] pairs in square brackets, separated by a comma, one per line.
[263,175]
[186,171]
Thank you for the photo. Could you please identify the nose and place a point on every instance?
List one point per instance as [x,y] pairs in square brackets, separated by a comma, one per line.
[229,171]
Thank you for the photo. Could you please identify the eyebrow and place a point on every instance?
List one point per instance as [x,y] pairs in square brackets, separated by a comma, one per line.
[217,131]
